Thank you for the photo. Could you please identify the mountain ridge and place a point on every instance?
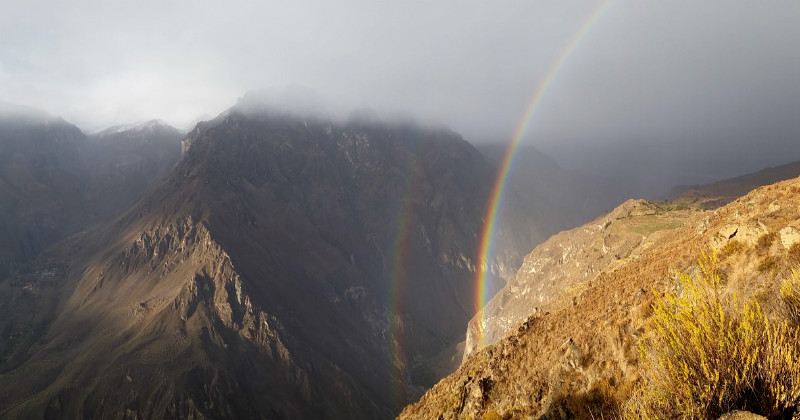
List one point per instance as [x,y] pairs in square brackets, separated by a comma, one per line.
[265,253]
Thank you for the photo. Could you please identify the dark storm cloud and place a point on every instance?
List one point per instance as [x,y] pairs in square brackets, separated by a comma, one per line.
[676,71]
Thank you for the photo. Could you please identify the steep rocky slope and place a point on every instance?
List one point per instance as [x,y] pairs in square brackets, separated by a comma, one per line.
[568,261]
[577,355]
[289,267]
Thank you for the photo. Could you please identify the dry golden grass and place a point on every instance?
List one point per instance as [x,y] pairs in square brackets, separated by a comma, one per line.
[733,247]
[765,241]
[768,263]
[793,254]
[790,293]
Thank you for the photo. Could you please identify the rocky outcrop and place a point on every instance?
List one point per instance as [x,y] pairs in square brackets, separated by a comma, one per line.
[566,264]
[578,357]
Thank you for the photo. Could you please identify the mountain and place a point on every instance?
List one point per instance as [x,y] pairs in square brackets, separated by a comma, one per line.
[567,262]
[564,333]
[560,198]
[287,267]
[515,302]
[723,192]
[56,181]
[125,161]
[42,170]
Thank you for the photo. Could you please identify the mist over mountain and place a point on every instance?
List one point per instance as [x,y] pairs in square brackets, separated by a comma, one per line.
[650,169]
[55,181]
[43,161]
[300,268]
[560,198]
[287,210]
[125,161]
[274,262]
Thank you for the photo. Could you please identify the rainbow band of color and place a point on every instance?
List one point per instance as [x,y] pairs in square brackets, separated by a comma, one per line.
[397,283]
[486,249]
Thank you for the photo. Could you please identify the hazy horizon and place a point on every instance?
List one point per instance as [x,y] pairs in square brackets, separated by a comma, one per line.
[677,81]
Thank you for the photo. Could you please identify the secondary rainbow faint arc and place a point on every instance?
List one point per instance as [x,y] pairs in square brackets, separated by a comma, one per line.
[496,196]
[399,278]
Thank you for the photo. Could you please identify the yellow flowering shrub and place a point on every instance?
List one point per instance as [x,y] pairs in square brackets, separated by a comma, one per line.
[708,354]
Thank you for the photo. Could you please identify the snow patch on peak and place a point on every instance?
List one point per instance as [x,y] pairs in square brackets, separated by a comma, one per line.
[138,127]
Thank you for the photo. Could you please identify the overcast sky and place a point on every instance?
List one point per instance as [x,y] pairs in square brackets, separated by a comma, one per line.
[656,71]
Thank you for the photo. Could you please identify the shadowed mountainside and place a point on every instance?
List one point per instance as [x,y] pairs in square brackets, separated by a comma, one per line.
[288,267]
[54,181]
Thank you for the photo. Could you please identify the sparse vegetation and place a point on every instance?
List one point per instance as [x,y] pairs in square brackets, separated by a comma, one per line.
[654,225]
[790,293]
[765,241]
[793,254]
[672,206]
[492,415]
[769,263]
[709,354]
[733,247]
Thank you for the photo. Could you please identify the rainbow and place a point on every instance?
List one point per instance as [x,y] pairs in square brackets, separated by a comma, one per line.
[400,254]
[496,196]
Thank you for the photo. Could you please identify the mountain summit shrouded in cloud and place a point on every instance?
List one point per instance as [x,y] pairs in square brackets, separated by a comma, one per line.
[292,258]
[671,72]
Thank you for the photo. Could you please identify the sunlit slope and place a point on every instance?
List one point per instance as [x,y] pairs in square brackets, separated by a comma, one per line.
[578,356]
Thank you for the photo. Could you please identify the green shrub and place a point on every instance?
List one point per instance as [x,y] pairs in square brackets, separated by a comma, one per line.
[708,354]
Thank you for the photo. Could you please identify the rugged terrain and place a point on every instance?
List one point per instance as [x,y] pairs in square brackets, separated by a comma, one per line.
[124,162]
[288,267]
[56,181]
[575,354]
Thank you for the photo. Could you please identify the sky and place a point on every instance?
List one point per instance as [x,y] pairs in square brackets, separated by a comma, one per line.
[703,75]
